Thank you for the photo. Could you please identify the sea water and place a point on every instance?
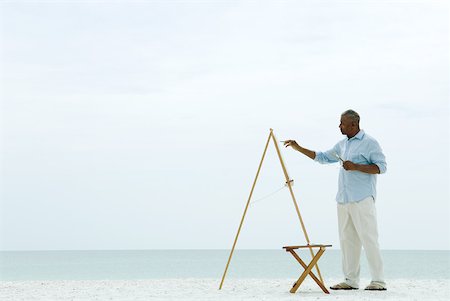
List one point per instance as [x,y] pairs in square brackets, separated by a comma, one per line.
[151,264]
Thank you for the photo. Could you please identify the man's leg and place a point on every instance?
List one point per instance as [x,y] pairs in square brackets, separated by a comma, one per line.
[350,246]
[364,217]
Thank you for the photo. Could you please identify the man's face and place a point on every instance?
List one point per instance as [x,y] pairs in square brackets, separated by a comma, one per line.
[347,126]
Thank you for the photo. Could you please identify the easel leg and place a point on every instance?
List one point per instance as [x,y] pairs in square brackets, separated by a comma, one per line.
[245,210]
[294,200]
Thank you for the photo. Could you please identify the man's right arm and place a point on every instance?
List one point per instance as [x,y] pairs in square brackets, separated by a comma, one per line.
[292,143]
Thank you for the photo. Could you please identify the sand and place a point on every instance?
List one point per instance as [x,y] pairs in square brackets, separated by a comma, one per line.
[207,289]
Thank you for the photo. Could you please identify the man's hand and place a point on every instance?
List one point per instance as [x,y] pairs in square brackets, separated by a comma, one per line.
[292,143]
[370,168]
[349,165]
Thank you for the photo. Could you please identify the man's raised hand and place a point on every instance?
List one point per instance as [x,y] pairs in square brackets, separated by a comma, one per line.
[291,143]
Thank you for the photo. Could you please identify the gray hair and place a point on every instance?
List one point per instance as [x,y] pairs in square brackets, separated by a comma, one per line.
[352,115]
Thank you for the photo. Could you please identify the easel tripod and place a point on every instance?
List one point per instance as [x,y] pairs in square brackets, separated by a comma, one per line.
[289,185]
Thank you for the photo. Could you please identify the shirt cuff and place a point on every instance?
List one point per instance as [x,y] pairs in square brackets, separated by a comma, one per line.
[317,156]
[381,167]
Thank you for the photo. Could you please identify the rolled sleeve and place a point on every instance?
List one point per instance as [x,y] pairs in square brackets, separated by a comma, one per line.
[377,157]
[330,156]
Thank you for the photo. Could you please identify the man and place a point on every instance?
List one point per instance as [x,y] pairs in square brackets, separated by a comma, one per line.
[362,159]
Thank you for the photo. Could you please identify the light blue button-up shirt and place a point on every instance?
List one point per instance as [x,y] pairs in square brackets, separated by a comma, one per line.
[354,186]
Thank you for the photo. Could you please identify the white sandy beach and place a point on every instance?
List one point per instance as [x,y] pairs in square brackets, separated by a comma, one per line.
[207,289]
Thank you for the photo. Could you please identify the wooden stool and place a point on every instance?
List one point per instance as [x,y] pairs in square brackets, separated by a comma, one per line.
[308,268]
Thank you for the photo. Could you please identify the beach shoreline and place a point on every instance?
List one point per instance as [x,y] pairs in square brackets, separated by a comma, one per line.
[207,289]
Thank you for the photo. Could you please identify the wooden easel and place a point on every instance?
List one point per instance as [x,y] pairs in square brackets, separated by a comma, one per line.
[289,184]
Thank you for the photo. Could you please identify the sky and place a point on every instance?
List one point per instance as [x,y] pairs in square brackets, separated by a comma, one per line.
[141,124]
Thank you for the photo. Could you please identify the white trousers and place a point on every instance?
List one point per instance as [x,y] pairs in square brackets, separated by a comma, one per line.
[358,228]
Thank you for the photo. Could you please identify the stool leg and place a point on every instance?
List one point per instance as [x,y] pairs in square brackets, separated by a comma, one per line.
[314,277]
[307,270]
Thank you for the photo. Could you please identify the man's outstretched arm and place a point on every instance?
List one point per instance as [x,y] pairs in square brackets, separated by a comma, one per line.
[292,143]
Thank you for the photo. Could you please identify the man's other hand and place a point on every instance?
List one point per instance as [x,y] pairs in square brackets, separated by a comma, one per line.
[349,165]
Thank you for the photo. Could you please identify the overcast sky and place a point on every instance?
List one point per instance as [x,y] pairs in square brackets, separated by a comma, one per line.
[140,125]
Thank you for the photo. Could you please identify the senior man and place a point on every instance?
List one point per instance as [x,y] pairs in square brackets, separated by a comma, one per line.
[362,159]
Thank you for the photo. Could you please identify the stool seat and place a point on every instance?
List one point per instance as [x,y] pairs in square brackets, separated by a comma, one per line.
[306,246]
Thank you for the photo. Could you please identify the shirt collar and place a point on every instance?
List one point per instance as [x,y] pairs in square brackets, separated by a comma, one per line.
[358,136]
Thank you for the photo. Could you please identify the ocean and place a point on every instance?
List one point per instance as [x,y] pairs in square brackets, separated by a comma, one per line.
[165,264]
